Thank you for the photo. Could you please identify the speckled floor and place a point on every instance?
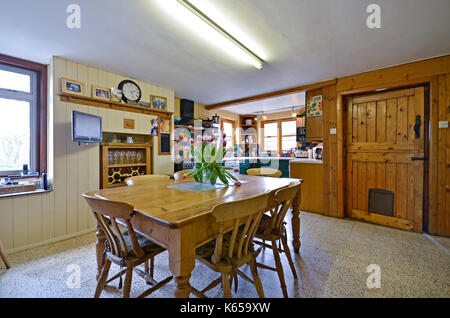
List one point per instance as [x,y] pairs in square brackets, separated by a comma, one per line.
[332,262]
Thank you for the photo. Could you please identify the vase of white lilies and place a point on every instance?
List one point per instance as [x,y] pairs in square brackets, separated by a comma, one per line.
[208,155]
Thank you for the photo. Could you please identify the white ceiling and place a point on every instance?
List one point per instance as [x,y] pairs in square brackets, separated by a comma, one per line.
[269,105]
[303,41]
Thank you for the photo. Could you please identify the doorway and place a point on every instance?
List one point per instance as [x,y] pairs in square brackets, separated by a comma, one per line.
[385,149]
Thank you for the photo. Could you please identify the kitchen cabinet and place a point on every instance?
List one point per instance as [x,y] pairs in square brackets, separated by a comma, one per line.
[314,128]
[312,186]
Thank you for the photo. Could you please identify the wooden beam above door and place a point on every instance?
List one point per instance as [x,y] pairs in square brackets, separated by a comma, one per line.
[272,94]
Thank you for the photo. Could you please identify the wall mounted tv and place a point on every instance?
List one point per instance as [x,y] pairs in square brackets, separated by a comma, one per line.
[86,128]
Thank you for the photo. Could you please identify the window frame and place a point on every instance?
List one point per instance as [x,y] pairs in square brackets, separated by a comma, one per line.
[38,129]
[280,131]
[228,121]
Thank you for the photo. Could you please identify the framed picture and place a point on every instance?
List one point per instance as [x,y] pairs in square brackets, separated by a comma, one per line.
[158,102]
[164,136]
[164,126]
[101,92]
[314,106]
[72,87]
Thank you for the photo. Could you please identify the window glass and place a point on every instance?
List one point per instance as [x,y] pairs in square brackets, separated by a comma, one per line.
[271,144]
[15,81]
[288,128]
[15,134]
[288,143]
[271,129]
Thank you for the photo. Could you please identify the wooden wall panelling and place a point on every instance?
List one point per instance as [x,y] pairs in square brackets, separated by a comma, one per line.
[72,159]
[83,212]
[433,156]
[392,75]
[6,226]
[60,150]
[443,215]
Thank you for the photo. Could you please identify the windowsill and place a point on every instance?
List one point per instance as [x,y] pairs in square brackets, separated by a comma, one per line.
[38,191]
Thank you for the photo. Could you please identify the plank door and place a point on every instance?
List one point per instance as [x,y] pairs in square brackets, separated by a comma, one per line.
[384,151]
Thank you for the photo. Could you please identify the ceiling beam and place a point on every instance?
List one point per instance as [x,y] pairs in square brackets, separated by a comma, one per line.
[272,94]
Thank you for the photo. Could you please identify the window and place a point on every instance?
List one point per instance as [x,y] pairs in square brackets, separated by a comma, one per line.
[271,136]
[22,137]
[288,135]
[280,135]
[228,129]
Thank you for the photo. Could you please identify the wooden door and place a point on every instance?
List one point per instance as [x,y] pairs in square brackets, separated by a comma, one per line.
[384,151]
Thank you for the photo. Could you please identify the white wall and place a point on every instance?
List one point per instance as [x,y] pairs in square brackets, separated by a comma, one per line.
[31,220]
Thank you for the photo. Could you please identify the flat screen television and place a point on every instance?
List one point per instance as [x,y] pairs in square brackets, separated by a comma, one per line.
[86,128]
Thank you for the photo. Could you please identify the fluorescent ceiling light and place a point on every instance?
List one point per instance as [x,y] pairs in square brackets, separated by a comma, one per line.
[184,11]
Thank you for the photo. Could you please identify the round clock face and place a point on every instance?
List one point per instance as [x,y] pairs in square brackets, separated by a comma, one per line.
[130,91]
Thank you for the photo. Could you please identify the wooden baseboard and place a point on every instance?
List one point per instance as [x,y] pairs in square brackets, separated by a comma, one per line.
[383,220]
[54,240]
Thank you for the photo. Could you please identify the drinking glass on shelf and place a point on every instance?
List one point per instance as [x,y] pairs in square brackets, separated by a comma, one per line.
[122,157]
[129,157]
[110,157]
[116,157]
[139,157]
[133,156]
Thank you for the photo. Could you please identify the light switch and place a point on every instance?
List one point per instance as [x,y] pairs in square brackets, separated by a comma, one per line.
[333,131]
[443,124]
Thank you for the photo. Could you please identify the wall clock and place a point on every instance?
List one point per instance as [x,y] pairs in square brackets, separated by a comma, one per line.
[131,92]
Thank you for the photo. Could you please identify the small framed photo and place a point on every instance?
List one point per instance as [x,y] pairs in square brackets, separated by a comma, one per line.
[72,87]
[158,102]
[101,92]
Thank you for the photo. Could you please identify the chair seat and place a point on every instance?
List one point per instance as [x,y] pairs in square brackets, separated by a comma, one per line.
[265,227]
[206,251]
[147,245]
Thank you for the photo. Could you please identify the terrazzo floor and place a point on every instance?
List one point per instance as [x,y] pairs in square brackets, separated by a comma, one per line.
[333,262]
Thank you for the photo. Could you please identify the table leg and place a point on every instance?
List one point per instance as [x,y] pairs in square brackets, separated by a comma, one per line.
[182,259]
[99,249]
[296,222]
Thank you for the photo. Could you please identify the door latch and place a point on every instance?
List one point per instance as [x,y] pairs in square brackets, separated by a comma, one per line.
[417,126]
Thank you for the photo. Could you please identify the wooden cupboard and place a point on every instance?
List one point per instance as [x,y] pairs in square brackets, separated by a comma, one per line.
[312,189]
[314,128]
[120,161]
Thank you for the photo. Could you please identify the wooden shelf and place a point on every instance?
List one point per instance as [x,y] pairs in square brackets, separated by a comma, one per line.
[128,165]
[125,145]
[89,101]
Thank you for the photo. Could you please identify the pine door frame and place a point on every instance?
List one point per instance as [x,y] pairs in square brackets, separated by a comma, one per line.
[430,142]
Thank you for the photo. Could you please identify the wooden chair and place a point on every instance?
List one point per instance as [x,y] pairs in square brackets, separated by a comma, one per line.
[271,228]
[266,172]
[234,249]
[179,175]
[146,179]
[3,256]
[126,249]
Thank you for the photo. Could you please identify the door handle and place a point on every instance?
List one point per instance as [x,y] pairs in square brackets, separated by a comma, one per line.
[417,158]
[417,126]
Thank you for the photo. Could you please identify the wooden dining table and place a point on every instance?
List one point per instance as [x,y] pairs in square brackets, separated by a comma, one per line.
[181,220]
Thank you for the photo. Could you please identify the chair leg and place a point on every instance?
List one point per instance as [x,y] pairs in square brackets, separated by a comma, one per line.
[226,285]
[127,283]
[256,279]
[3,256]
[276,255]
[152,267]
[102,280]
[288,255]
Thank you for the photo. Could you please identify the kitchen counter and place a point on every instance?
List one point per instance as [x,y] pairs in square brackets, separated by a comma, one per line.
[258,158]
[305,160]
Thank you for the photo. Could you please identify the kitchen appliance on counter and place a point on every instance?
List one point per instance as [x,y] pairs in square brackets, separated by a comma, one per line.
[318,153]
